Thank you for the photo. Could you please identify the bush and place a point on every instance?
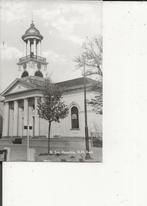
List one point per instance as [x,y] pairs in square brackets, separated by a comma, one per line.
[17,141]
[96,142]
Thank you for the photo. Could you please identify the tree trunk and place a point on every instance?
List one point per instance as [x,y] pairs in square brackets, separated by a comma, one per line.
[49,129]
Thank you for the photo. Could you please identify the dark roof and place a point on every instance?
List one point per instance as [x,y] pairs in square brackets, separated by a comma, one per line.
[75,82]
[36,82]
[32,31]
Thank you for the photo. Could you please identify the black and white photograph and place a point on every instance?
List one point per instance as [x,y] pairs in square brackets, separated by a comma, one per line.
[73,81]
[51,81]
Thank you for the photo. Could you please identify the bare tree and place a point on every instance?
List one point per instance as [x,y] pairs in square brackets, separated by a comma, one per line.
[97,101]
[91,56]
[51,107]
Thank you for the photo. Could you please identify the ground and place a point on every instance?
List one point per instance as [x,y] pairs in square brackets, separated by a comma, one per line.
[38,152]
[96,156]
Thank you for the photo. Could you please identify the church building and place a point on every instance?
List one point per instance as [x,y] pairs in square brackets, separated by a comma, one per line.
[20,98]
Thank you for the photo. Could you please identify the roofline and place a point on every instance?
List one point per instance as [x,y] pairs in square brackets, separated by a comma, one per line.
[75,79]
[22,91]
[27,36]
[15,81]
[80,87]
[36,87]
[7,88]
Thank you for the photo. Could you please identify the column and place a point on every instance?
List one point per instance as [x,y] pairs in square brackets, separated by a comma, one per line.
[25,115]
[20,129]
[30,119]
[24,49]
[11,120]
[6,119]
[39,48]
[29,47]
[15,123]
[26,45]
[36,119]
[34,47]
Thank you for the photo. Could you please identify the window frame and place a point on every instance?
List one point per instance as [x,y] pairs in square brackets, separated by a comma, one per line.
[77,119]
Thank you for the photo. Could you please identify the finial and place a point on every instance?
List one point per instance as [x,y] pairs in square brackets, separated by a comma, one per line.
[32,24]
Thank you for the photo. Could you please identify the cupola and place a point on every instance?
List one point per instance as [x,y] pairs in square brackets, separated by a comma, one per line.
[32,63]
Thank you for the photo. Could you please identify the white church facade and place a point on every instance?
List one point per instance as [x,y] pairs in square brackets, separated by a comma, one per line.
[20,98]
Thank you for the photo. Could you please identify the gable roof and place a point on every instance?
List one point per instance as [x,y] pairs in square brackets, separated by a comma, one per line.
[35,82]
[75,82]
[14,83]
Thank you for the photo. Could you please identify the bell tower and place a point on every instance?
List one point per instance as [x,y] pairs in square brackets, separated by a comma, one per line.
[32,64]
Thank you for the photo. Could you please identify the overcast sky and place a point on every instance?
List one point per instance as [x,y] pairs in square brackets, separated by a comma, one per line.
[64,25]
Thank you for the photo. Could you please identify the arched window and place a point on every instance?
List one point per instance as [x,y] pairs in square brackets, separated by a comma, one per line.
[24,74]
[38,74]
[74,118]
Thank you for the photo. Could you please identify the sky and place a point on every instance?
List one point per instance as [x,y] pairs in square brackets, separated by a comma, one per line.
[65,25]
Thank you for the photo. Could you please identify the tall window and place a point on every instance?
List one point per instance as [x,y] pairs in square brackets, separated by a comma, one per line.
[74,118]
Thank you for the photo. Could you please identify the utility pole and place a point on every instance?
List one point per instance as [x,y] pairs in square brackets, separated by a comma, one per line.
[28,128]
[28,145]
[85,113]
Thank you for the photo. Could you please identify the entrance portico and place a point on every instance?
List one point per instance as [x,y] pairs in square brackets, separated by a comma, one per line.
[19,113]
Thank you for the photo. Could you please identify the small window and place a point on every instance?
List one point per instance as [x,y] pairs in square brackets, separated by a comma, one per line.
[74,118]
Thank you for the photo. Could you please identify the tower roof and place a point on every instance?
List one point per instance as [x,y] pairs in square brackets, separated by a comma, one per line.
[32,31]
